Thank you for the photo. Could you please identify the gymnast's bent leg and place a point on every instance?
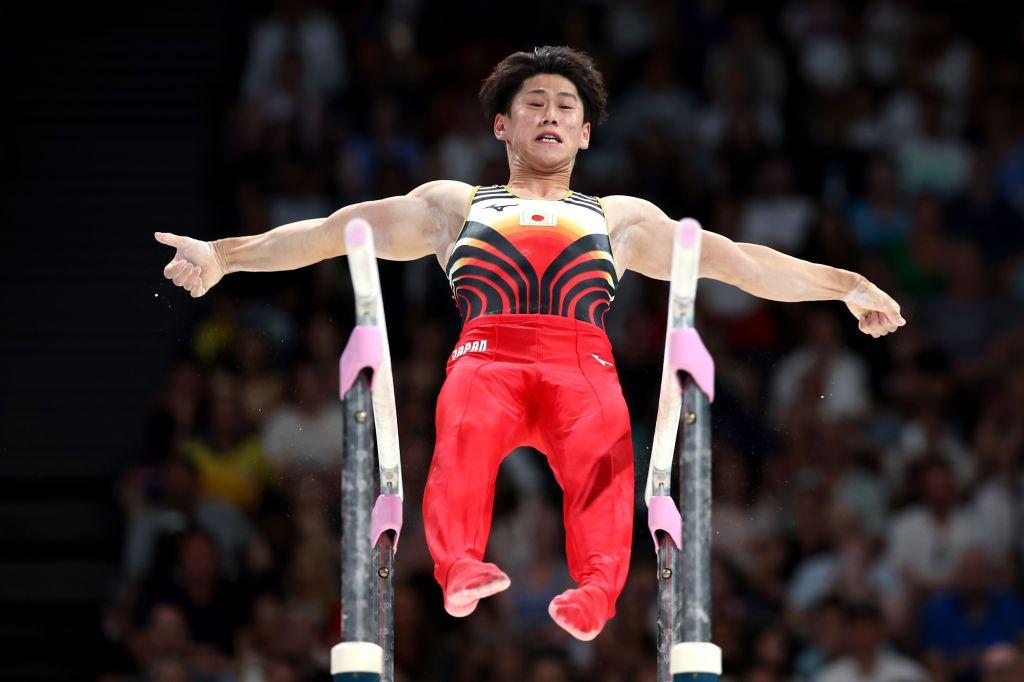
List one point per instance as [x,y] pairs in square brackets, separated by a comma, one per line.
[591,453]
[479,415]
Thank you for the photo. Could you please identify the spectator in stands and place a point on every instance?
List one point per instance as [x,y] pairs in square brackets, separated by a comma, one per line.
[366,158]
[210,604]
[927,431]
[773,649]
[752,52]
[968,317]
[852,569]
[735,527]
[171,669]
[658,100]
[259,640]
[181,508]
[313,582]
[417,656]
[761,674]
[927,540]
[541,572]
[166,635]
[961,622]
[934,160]
[823,368]
[826,632]
[231,463]
[922,388]
[1002,663]
[981,215]
[296,27]
[868,659]
[324,339]
[998,500]
[733,103]
[304,653]
[305,433]
[260,384]
[181,400]
[880,218]
[779,216]
[550,668]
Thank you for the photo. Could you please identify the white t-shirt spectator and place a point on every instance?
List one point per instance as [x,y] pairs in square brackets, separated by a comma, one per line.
[228,527]
[951,72]
[715,120]
[889,667]
[669,109]
[291,437]
[913,443]
[827,62]
[929,164]
[319,43]
[288,208]
[845,384]
[464,154]
[736,528]
[996,508]
[783,223]
[886,25]
[635,27]
[930,551]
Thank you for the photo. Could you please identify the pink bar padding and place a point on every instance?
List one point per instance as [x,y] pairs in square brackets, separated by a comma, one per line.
[688,228]
[686,353]
[362,351]
[663,515]
[357,231]
[387,515]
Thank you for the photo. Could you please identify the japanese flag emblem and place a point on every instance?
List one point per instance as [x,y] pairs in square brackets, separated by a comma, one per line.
[537,213]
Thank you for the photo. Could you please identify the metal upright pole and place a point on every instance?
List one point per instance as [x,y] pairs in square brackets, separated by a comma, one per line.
[687,386]
[694,658]
[358,619]
[370,528]
[695,481]
[669,604]
[384,602]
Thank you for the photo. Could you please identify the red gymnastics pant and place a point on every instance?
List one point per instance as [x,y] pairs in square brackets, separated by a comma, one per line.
[544,381]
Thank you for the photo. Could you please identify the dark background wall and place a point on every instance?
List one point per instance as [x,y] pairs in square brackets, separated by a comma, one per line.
[113,120]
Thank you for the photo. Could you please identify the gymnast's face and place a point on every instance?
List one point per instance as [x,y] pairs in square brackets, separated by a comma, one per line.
[544,127]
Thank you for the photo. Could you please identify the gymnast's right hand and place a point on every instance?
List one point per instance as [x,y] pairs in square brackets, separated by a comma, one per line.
[196,265]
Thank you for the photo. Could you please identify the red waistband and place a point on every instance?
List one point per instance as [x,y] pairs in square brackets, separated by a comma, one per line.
[535,320]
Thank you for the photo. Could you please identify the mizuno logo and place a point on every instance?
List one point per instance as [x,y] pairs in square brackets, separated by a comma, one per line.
[469,347]
[502,207]
[604,363]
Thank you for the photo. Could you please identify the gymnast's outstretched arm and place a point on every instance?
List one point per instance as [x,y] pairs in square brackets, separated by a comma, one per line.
[642,242]
[405,228]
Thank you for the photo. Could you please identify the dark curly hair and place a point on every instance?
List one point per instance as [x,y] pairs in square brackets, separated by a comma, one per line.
[501,86]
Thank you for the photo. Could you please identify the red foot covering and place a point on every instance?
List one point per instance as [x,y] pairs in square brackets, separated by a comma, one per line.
[580,612]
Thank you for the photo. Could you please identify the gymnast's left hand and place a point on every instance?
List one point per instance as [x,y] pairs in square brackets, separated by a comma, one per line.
[878,313]
[196,266]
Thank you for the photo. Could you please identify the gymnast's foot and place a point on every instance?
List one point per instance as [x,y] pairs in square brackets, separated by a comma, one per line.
[580,612]
[469,581]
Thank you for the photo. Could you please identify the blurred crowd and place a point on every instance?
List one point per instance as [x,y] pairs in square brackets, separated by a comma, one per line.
[868,494]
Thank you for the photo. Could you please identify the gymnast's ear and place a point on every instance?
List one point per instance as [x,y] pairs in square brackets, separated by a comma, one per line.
[500,131]
[585,135]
